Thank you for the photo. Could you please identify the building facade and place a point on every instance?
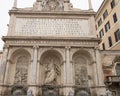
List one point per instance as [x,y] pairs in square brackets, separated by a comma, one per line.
[108,25]
[108,29]
[51,49]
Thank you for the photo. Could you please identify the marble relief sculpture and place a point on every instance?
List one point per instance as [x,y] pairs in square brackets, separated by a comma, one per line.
[21,70]
[51,72]
[81,76]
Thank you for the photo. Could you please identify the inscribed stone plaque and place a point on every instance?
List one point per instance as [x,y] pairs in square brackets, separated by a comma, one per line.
[52,27]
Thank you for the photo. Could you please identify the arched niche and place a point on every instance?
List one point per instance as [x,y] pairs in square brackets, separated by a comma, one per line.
[117,69]
[116,63]
[81,61]
[19,68]
[51,68]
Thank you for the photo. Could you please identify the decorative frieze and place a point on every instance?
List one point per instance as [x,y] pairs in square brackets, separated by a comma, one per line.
[51,42]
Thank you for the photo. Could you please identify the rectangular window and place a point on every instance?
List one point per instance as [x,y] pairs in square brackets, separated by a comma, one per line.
[99,22]
[101,33]
[110,41]
[103,45]
[105,14]
[107,26]
[112,4]
[117,35]
[115,18]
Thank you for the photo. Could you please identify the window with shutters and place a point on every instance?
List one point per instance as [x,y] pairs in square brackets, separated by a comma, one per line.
[117,35]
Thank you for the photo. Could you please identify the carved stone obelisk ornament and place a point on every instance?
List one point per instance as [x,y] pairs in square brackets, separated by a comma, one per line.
[15,4]
[90,5]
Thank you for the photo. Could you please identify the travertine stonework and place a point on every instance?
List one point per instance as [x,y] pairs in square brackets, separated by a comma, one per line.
[51,50]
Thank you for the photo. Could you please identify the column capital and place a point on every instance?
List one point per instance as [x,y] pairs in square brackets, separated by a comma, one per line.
[6,46]
[96,48]
[67,47]
[9,61]
[35,46]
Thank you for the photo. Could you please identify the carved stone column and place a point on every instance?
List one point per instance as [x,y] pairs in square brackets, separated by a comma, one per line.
[7,72]
[68,66]
[68,71]
[4,64]
[99,68]
[34,65]
[33,76]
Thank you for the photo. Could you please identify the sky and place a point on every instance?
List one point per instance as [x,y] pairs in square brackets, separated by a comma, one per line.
[6,5]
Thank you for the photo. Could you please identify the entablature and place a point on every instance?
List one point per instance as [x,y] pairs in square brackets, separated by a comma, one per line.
[51,41]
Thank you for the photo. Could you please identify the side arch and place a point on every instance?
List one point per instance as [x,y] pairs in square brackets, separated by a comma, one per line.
[19,68]
[82,68]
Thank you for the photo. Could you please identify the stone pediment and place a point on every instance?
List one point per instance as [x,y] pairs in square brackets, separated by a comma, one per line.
[49,5]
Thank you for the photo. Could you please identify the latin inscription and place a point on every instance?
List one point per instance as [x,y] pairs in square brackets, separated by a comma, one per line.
[52,27]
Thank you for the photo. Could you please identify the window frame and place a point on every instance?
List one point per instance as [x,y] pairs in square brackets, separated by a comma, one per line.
[110,41]
[105,14]
[107,26]
[99,22]
[103,46]
[117,35]
[101,33]
[112,4]
[118,63]
[115,19]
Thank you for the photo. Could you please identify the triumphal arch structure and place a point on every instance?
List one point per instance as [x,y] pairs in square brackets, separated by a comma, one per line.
[51,49]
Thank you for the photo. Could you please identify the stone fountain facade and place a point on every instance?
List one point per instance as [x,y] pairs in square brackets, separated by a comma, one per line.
[51,49]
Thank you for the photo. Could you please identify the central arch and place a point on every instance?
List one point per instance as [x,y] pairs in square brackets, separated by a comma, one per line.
[51,61]
[51,72]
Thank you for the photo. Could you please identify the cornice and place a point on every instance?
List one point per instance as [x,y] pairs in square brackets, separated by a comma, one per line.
[36,12]
[4,38]
[100,8]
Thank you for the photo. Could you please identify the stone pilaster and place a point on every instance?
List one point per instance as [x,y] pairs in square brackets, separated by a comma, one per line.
[4,64]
